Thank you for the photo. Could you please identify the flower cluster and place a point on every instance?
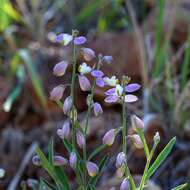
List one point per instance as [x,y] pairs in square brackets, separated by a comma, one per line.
[74,136]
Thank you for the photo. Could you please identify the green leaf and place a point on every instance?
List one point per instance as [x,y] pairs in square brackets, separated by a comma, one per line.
[143,140]
[180,187]
[51,151]
[96,151]
[24,55]
[161,157]
[45,185]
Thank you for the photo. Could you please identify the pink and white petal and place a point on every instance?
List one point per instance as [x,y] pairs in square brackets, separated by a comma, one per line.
[131,98]
[84,83]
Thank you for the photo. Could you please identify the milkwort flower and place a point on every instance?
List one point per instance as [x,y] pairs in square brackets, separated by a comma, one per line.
[65,131]
[92,169]
[57,92]
[109,137]
[97,109]
[88,54]
[115,94]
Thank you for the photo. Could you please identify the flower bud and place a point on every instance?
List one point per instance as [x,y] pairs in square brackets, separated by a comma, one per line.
[88,54]
[97,109]
[80,139]
[2,172]
[32,183]
[92,169]
[121,159]
[109,137]
[60,68]
[137,122]
[120,172]
[73,160]
[36,160]
[107,59]
[67,105]
[124,184]
[136,141]
[59,161]
[65,131]
[79,40]
[57,93]
[84,83]
[157,138]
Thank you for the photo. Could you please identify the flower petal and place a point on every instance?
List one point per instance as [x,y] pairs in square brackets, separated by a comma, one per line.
[79,40]
[97,73]
[111,99]
[60,68]
[84,83]
[88,54]
[130,98]
[100,82]
[132,87]
[97,109]
[110,92]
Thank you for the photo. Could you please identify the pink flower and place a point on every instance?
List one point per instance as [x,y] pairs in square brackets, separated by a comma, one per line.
[57,93]
[137,122]
[109,137]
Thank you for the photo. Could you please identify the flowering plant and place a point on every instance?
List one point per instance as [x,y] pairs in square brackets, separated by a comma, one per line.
[74,136]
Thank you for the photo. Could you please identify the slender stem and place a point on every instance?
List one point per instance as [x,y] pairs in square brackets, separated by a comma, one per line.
[87,121]
[124,124]
[73,94]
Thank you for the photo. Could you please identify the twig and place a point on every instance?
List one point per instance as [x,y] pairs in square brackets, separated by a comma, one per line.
[13,184]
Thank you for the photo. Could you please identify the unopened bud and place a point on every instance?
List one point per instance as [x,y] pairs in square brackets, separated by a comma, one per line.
[60,68]
[80,139]
[73,160]
[59,161]
[84,83]
[120,171]
[157,138]
[124,184]
[97,109]
[65,131]
[136,141]
[137,122]
[107,59]
[67,105]
[121,159]
[88,54]
[92,169]
[36,160]
[109,137]
[57,93]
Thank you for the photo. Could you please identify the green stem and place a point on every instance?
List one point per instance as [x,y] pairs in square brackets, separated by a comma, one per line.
[73,94]
[87,122]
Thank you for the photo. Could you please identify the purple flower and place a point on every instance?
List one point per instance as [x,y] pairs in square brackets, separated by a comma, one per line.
[80,139]
[67,105]
[65,39]
[79,40]
[100,82]
[107,59]
[36,160]
[88,54]
[59,161]
[124,184]
[121,159]
[97,109]
[73,160]
[130,98]
[92,169]
[137,122]
[84,83]
[132,87]
[97,73]
[60,68]
[57,93]
[109,137]
[111,99]
[110,92]
[65,131]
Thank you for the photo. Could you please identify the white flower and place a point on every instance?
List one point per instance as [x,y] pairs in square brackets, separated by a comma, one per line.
[113,81]
[84,69]
[119,90]
[2,172]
